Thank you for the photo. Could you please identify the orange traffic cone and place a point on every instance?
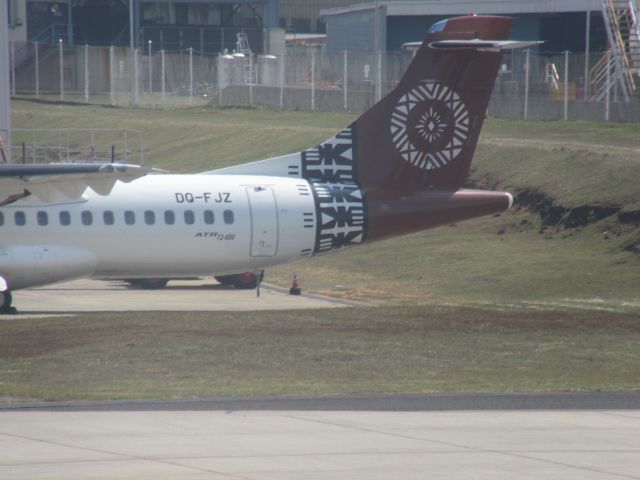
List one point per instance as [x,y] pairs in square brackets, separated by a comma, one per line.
[295,286]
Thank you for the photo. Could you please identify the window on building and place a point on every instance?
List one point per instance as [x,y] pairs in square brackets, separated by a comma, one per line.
[87,217]
[20,218]
[209,218]
[189,217]
[65,218]
[1,219]
[169,217]
[108,217]
[43,218]
[149,217]
[129,217]
[228,217]
[302,25]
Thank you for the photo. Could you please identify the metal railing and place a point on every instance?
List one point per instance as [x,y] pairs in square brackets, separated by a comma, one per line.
[77,145]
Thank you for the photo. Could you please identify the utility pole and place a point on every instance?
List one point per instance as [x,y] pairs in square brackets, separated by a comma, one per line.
[378,47]
[5,95]
[132,54]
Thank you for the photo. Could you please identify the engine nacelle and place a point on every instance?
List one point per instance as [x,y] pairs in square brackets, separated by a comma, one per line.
[32,265]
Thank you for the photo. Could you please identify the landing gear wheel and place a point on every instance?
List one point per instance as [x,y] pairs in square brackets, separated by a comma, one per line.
[242,281]
[5,302]
[225,279]
[245,281]
[149,283]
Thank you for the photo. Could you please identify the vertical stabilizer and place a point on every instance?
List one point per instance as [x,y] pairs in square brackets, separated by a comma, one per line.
[425,131]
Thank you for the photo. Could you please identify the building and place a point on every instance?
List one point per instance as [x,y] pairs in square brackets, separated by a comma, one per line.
[207,26]
[303,16]
[561,24]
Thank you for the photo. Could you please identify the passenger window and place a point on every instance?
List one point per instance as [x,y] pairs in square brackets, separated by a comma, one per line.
[189,217]
[108,217]
[228,217]
[65,218]
[129,217]
[43,218]
[208,217]
[20,218]
[87,217]
[149,217]
[169,217]
[1,219]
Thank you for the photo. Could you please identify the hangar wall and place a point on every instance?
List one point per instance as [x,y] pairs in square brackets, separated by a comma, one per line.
[354,30]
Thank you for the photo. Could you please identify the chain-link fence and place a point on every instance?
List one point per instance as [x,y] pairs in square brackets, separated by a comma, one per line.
[529,85]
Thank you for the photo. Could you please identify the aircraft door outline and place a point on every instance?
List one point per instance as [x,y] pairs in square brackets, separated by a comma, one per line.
[264,221]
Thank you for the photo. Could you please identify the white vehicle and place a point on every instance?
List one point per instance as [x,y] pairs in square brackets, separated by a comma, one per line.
[398,168]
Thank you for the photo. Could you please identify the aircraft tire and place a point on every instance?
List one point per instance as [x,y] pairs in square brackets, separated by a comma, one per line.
[245,281]
[149,283]
[5,302]
[225,279]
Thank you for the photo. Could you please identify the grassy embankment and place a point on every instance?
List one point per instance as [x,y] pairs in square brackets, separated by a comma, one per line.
[500,303]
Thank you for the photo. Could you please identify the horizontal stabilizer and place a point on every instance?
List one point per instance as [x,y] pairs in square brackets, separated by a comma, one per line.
[494,45]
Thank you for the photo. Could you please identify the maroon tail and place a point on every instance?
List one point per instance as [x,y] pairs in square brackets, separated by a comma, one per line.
[424,132]
[399,167]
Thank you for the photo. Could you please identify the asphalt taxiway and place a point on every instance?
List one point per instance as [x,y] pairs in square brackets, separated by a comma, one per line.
[47,442]
[81,296]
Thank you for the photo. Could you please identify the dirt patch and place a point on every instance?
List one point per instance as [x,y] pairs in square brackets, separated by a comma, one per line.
[557,215]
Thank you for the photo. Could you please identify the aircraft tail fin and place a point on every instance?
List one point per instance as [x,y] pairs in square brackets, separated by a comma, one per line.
[400,166]
[424,132]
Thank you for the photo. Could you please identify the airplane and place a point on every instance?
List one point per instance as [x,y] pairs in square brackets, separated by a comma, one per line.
[399,168]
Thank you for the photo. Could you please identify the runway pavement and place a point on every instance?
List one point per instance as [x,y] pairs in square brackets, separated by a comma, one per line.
[314,445]
[180,295]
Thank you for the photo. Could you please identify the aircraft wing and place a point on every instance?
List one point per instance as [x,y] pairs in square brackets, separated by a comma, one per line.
[63,182]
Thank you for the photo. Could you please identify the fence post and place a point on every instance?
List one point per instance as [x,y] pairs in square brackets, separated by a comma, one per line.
[345,82]
[220,65]
[586,54]
[313,79]
[112,99]
[566,85]
[608,96]
[12,62]
[378,75]
[190,75]
[126,147]
[162,75]
[282,60]
[134,91]
[150,70]
[526,84]
[86,73]
[61,61]
[250,78]
[37,71]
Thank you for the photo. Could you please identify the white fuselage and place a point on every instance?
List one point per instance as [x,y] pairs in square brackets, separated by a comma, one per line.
[160,226]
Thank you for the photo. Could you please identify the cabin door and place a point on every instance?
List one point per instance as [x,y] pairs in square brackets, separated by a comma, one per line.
[264,221]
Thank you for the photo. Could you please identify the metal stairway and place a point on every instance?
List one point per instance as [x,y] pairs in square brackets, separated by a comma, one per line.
[617,68]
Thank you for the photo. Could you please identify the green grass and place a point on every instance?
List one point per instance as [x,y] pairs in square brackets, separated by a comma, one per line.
[195,139]
[471,264]
[351,351]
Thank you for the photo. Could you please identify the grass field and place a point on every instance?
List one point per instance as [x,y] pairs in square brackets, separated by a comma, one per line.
[350,351]
[499,303]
